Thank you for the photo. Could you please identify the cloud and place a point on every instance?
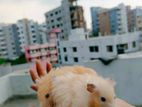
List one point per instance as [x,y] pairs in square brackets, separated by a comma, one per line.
[12,10]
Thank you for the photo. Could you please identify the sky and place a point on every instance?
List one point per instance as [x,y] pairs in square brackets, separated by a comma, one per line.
[12,10]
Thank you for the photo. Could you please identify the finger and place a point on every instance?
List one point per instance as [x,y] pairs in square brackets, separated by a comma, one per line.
[34,87]
[34,75]
[40,70]
[48,66]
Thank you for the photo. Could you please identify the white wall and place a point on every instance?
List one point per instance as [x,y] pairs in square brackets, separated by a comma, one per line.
[17,83]
[128,76]
[5,69]
[84,54]
[5,89]
[21,84]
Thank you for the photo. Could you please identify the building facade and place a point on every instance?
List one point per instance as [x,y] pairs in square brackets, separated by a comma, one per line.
[81,50]
[7,42]
[66,17]
[47,51]
[43,33]
[95,23]
[28,33]
[138,18]
[110,21]
[104,23]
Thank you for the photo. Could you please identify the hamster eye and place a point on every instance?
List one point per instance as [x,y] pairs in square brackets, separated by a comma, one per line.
[47,95]
[103,99]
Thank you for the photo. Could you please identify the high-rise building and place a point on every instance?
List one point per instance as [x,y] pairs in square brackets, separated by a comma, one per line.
[66,17]
[95,23]
[138,18]
[28,33]
[7,42]
[104,23]
[43,33]
[110,21]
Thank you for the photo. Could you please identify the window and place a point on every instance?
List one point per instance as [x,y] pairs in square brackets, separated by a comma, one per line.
[134,44]
[58,25]
[34,41]
[74,49]
[65,49]
[66,58]
[109,48]
[56,13]
[94,49]
[52,21]
[32,26]
[33,31]
[59,19]
[34,36]
[51,14]
[53,26]
[75,59]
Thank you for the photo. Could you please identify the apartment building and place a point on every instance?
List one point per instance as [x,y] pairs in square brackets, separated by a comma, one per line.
[43,33]
[138,18]
[107,47]
[110,21]
[7,42]
[95,20]
[28,33]
[104,23]
[66,17]
[47,51]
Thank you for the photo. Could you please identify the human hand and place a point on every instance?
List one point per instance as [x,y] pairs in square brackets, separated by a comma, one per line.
[40,69]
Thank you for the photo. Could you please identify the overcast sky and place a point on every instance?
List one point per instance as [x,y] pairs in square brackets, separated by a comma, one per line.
[12,10]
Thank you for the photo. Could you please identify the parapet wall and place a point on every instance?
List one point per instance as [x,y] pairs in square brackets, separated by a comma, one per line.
[15,84]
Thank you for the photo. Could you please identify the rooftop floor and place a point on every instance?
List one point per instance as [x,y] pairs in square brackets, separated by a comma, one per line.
[21,102]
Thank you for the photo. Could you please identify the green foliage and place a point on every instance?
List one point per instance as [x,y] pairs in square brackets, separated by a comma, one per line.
[2,61]
[20,60]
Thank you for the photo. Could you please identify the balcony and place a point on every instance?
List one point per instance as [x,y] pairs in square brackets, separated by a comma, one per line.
[53,59]
[53,52]
[33,55]
[44,53]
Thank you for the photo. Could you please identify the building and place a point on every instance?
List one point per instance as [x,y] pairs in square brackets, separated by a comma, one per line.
[7,42]
[138,16]
[28,33]
[104,23]
[135,18]
[95,23]
[47,51]
[43,33]
[109,21]
[81,49]
[66,17]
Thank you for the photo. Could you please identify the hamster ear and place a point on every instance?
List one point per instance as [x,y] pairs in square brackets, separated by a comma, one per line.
[91,87]
[111,81]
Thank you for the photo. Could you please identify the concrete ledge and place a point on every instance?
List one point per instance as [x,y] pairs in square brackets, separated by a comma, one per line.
[15,84]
